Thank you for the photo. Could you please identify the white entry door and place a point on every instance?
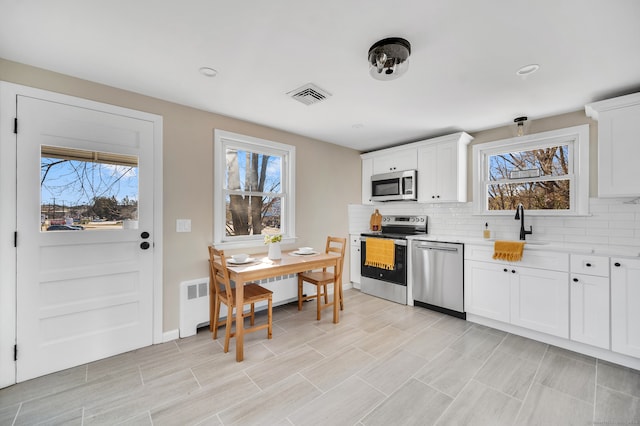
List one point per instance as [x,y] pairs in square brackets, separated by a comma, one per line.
[85,223]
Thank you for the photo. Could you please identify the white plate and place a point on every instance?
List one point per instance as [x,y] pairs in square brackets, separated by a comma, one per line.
[233,262]
[297,253]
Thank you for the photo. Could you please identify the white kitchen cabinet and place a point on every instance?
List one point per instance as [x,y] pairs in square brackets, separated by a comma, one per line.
[625,303]
[354,270]
[540,300]
[396,160]
[589,295]
[367,172]
[441,164]
[442,169]
[487,290]
[618,145]
[532,293]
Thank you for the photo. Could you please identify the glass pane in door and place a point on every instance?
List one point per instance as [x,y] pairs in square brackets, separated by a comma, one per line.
[87,190]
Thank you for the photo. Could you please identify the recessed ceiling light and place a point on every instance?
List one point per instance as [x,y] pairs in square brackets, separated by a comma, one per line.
[208,72]
[527,70]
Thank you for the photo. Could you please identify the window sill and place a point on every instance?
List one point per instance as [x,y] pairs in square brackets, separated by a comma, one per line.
[250,244]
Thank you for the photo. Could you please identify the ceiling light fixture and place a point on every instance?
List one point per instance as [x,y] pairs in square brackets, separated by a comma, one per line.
[520,125]
[208,72]
[527,70]
[389,58]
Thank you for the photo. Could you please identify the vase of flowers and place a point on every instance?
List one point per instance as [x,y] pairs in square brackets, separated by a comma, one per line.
[273,241]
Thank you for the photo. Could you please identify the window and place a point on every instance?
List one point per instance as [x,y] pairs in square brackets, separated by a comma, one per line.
[547,172]
[87,190]
[253,190]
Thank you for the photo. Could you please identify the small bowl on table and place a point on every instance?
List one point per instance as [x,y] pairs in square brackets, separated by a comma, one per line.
[305,250]
[239,258]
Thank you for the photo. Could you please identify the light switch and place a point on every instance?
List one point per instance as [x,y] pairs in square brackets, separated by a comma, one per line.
[183,225]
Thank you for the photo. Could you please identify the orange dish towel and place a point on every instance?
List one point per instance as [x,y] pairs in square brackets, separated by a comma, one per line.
[508,250]
[380,253]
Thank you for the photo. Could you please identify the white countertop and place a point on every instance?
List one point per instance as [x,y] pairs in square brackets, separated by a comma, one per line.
[595,249]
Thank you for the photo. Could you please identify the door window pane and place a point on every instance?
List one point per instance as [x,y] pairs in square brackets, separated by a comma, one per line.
[87,190]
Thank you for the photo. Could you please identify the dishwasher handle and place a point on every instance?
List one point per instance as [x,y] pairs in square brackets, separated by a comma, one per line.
[451,249]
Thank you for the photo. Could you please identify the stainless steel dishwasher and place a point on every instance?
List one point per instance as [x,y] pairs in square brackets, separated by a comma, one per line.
[437,272]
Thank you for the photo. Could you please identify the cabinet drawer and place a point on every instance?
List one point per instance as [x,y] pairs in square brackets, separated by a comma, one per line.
[553,261]
[590,265]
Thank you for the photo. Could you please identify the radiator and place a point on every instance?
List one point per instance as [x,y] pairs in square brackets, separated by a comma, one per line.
[194,300]
[194,305]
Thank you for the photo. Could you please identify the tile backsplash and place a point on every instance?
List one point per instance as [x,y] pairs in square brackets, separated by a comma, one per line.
[611,222]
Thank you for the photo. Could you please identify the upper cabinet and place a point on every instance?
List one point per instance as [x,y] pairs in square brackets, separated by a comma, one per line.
[396,160]
[618,145]
[442,169]
[441,164]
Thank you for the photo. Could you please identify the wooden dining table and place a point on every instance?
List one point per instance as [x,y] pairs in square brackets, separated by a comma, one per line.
[264,267]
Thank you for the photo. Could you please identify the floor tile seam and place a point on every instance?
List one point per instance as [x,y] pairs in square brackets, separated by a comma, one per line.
[452,403]
[15,417]
[617,391]
[533,381]
[453,397]
[577,359]
[195,378]
[485,360]
[575,398]
[595,393]
[563,392]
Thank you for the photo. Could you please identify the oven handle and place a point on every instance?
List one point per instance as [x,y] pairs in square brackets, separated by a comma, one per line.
[396,242]
[438,248]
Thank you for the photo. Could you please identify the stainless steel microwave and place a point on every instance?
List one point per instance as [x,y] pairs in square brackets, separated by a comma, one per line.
[394,186]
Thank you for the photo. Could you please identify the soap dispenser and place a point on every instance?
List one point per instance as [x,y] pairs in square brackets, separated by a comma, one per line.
[486,233]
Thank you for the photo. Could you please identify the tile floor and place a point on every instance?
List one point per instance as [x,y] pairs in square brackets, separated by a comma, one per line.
[384,364]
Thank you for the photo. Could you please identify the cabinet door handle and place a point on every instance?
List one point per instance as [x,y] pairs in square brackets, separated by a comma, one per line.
[617,264]
[505,269]
[513,271]
[575,280]
[588,265]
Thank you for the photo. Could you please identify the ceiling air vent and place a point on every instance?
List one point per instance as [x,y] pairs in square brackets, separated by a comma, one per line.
[309,94]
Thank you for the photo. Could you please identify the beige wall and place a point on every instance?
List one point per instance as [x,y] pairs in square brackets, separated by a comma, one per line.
[328,176]
[556,122]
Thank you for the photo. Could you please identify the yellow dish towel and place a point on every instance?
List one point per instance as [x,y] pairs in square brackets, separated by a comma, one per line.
[508,250]
[380,253]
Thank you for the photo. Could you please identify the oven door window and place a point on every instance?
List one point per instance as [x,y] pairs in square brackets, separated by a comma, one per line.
[396,276]
[385,187]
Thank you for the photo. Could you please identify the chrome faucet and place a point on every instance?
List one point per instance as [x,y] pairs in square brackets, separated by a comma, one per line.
[520,217]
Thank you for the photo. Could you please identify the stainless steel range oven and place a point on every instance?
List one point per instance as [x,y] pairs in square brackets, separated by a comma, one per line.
[390,284]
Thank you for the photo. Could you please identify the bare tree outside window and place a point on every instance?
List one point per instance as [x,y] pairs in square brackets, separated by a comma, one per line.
[87,189]
[253,192]
[538,178]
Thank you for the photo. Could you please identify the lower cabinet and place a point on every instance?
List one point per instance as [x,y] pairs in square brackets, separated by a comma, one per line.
[589,285]
[590,310]
[487,290]
[540,300]
[534,298]
[625,306]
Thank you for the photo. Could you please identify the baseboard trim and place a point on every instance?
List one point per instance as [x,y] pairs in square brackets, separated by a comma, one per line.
[170,335]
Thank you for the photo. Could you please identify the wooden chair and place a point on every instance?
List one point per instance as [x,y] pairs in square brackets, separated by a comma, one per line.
[220,291]
[323,278]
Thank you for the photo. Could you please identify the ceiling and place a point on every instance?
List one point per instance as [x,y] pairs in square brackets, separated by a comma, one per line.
[462,71]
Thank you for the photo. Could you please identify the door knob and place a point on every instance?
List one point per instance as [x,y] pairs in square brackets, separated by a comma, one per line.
[144,245]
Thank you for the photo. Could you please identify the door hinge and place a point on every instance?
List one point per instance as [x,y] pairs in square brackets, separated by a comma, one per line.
[15,239]
[15,352]
[15,125]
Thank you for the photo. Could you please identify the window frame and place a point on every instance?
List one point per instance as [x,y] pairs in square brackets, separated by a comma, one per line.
[224,139]
[576,137]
